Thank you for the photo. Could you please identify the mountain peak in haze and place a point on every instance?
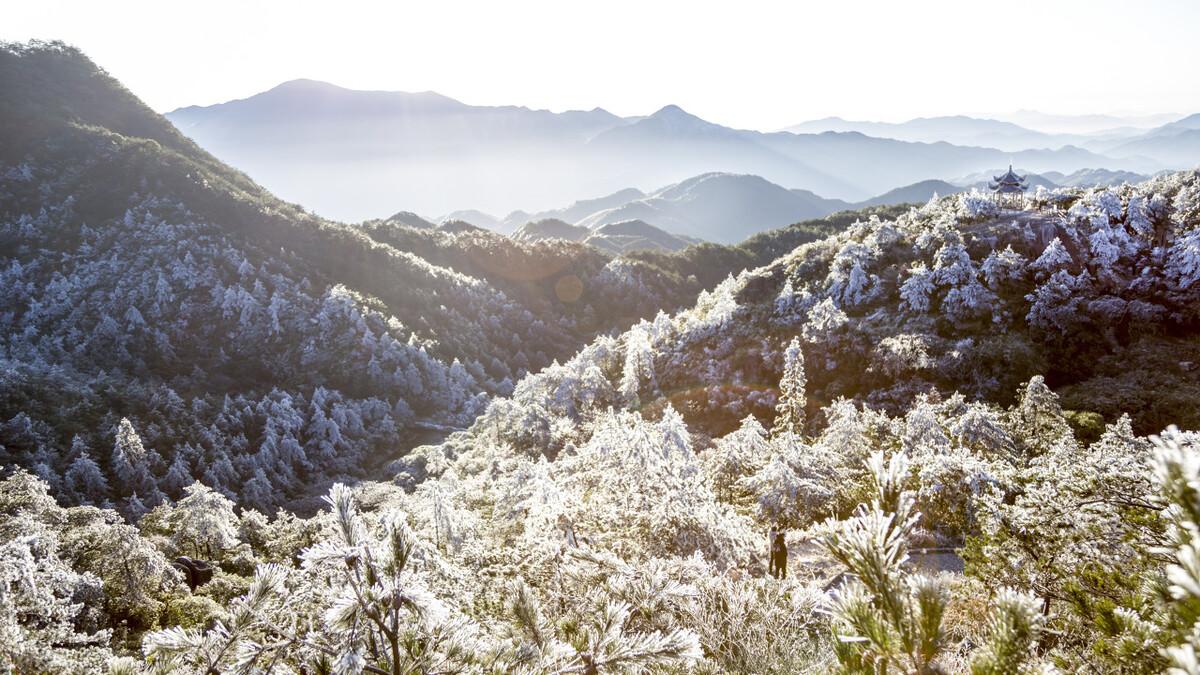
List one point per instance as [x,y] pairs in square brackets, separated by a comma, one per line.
[674,113]
[673,118]
[304,99]
[305,84]
[672,110]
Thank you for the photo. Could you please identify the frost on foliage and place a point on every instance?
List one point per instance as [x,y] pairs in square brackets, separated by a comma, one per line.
[952,264]
[1003,267]
[639,363]
[359,599]
[1057,303]
[1015,622]
[735,456]
[789,305]
[1183,263]
[969,301]
[824,321]
[789,412]
[607,643]
[795,486]
[40,607]
[848,280]
[888,618]
[203,522]
[902,354]
[976,205]
[917,289]
[713,309]
[1053,258]
[883,617]
[663,500]
[1176,467]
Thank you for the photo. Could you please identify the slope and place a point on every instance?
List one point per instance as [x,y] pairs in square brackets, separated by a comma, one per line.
[949,297]
[247,341]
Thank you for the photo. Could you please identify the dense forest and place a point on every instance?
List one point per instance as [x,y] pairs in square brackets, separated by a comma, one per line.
[389,449]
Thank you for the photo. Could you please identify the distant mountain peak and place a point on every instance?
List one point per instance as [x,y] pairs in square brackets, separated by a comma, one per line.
[305,84]
[671,110]
[673,114]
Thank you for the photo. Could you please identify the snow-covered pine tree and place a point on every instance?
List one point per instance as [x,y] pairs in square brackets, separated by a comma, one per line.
[789,412]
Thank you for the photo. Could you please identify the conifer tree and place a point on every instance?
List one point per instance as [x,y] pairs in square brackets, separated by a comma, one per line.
[789,412]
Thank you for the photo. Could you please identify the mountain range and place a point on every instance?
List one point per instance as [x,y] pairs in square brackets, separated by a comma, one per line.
[729,208]
[354,155]
[1012,137]
[616,237]
[959,130]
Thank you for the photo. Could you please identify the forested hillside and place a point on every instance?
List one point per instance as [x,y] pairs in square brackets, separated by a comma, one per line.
[946,412]
[245,341]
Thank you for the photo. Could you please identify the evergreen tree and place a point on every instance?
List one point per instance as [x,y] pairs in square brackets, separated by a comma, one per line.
[789,412]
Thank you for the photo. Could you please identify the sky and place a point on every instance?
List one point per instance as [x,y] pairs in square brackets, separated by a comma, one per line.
[748,64]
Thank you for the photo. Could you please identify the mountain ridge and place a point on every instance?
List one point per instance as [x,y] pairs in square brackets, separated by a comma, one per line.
[499,159]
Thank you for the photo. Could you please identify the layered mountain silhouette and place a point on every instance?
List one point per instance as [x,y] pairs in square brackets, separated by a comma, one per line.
[729,208]
[719,207]
[350,154]
[959,129]
[1177,147]
[354,155]
[1093,178]
[616,238]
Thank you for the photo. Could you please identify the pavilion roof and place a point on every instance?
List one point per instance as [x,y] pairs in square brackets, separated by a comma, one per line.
[1009,178]
[1007,187]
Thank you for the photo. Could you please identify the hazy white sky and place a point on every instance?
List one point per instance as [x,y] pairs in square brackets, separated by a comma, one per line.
[749,63]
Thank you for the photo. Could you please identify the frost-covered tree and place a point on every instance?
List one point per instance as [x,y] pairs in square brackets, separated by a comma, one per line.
[375,610]
[1002,268]
[735,456]
[848,279]
[129,457]
[48,618]
[40,609]
[793,489]
[917,289]
[1176,474]
[1038,417]
[789,412]
[604,645]
[883,618]
[824,321]
[1015,624]
[639,363]
[203,523]
[84,481]
[1054,258]
[887,618]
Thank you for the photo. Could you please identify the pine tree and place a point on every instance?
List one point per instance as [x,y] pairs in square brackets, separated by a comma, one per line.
[1038,417]
[789,412]
[84,481]
[128,454]
[203,522]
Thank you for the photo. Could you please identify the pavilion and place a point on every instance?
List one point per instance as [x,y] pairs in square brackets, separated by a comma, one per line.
[1008,190]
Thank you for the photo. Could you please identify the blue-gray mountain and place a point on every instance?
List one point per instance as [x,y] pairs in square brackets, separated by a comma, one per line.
[354,155]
